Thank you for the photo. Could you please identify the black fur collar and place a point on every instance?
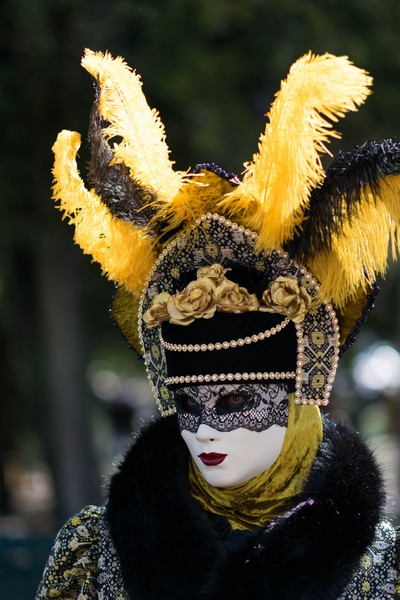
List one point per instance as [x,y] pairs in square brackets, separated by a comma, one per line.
[169,551]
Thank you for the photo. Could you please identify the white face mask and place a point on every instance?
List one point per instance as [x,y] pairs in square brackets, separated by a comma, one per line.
[233,431]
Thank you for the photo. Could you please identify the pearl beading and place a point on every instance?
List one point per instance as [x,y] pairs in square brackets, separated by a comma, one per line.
[226,345]
[216,377]
[252,237]
[299,398]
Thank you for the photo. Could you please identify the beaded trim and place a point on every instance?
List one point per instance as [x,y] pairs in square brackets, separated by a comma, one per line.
[226,344]
[306,393]
[299,398]
[229,377]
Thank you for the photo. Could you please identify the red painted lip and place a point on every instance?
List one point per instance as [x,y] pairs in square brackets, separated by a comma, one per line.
[211,459]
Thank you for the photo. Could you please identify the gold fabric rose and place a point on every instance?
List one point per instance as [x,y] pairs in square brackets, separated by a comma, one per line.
[232,298]
[212,291]
[214,272]
[287,297]
[158,311]
[196,301]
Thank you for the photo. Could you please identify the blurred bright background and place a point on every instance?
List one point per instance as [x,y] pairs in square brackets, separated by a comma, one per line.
[73,392]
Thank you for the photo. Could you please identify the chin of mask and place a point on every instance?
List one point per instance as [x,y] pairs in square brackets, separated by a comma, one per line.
[233,431]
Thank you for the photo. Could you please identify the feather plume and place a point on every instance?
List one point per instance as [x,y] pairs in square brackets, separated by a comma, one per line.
[276,186]
[342,192]
[125,313]
[361,246]
[199,195]
[123,105]
[120,192]
[126,254]
[353,220]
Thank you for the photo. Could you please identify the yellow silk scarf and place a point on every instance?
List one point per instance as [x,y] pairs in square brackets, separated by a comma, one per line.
[264,497]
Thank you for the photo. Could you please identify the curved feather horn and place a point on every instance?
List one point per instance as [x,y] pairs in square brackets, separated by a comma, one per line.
[124,251]
[278,182]
[351,224]
[125,197]
[141,147]
[348,178]
[360,246]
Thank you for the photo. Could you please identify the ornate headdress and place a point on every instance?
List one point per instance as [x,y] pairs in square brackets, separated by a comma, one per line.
[222,279]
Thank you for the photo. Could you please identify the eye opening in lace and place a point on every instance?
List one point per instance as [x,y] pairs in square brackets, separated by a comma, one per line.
[186,404]
[232,402]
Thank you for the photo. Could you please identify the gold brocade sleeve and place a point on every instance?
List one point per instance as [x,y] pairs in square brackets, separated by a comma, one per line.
[71,570]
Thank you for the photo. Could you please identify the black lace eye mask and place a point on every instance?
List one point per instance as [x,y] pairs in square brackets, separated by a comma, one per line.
[253,406]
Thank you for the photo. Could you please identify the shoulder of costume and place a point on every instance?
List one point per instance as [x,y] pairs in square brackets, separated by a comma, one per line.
[158,450]
[74,554]
[379,567]
[345,457]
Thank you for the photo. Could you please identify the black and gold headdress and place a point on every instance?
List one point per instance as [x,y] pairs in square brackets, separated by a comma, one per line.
[216,273]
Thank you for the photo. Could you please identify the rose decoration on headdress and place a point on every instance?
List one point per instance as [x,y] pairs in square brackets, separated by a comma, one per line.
[196,301]
[284,295]
[214,272]
[158,311]
[232,298]
[212,292]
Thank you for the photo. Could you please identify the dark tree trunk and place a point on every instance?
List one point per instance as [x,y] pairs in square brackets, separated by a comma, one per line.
[66,428]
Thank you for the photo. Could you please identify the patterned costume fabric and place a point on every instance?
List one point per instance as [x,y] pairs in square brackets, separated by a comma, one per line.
[84,564]
[378,575]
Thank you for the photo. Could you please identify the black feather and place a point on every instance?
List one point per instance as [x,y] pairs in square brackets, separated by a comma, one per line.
[126,198]
[340,195]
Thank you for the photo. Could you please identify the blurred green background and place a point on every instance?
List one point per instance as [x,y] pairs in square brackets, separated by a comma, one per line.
[72,392]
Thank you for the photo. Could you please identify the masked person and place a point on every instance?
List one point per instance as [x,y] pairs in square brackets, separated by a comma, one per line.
[240,295]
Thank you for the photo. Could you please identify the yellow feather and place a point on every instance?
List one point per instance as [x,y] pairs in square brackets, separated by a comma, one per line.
[277,184]
[123,250]
[360,253]
[122,103]
[198,196]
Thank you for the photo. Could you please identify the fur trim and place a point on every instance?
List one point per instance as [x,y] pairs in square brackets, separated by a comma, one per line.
[165,544]
[168,550]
